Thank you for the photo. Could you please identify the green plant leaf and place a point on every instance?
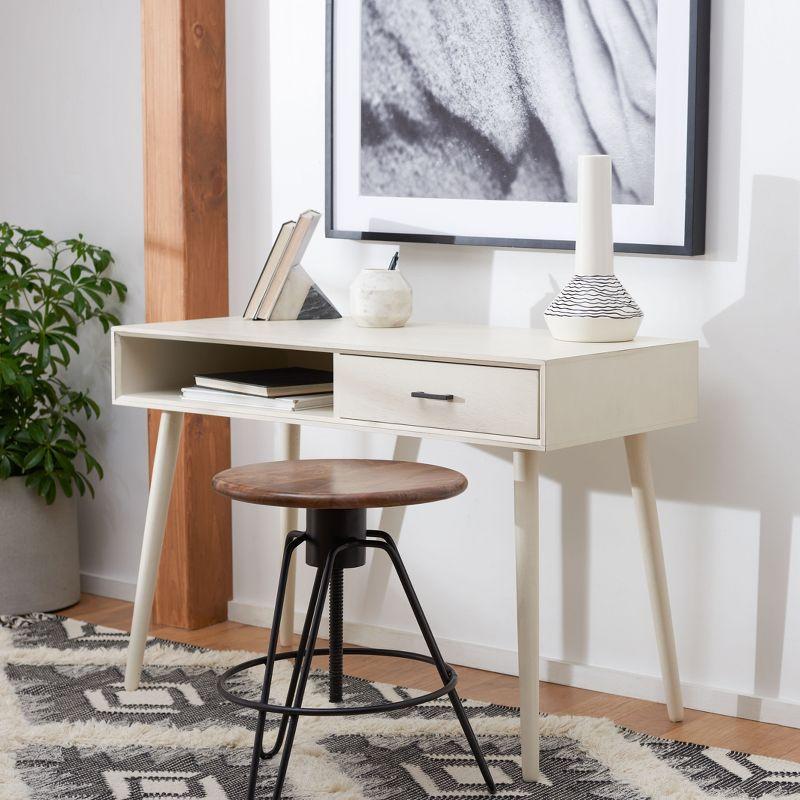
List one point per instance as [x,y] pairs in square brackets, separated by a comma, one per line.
[33,458]
[48,489]
[65,482]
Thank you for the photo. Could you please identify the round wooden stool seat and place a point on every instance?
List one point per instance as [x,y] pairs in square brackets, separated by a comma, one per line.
[339,483]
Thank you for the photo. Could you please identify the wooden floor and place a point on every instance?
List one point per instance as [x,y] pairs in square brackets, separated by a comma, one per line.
[700,727]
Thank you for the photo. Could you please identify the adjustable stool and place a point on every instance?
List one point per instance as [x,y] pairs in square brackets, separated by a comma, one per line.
[336,494]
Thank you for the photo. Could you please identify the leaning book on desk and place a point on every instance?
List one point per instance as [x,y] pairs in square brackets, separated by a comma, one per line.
[288,403]
[290,257]
[270,382]
[268,272]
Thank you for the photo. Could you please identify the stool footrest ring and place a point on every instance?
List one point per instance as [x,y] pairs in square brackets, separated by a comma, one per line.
[330,711]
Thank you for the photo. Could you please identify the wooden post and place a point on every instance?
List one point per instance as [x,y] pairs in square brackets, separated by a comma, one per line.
[186,277]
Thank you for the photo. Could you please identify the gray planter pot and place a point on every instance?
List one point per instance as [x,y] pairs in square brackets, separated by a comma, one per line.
[38,550]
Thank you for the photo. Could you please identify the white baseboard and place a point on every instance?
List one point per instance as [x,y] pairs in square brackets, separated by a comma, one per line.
[582,676]
[107,587]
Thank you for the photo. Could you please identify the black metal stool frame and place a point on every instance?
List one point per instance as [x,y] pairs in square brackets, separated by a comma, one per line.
[329,576]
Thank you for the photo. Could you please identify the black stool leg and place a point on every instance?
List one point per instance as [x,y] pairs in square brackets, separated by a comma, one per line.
[318,604]
[335,636]
[293,540]
[444,673]
[295,671]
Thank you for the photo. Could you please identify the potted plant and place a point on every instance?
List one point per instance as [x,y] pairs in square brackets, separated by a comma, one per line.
[48,289]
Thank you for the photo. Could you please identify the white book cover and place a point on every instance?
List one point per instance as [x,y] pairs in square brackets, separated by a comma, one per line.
[290,403]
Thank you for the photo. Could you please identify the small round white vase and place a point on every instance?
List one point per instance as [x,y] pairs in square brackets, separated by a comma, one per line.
[380,298]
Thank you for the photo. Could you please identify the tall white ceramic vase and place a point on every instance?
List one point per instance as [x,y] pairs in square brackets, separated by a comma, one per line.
[594,306]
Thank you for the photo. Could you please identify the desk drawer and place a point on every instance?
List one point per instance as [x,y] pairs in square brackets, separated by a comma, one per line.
[495,400]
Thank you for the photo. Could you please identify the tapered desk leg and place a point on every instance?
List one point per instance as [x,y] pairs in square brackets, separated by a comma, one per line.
[169,435]
[526,524]
[644,501]
[288,449]
[406,448]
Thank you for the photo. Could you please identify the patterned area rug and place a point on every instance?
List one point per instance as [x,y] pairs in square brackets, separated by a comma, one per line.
[69,731]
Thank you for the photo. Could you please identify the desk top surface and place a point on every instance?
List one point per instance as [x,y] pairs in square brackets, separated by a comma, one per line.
[439,341]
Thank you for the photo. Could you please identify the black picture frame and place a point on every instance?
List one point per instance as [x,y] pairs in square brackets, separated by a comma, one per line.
[696,160]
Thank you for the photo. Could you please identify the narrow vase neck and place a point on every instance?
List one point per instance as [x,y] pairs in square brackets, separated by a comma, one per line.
[594,246]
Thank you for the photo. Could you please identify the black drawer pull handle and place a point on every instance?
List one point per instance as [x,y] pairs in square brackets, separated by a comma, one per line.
[429,396]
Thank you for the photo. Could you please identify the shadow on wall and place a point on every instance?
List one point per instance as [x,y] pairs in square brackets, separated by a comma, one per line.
[743,451]
[745,448]
[458,290]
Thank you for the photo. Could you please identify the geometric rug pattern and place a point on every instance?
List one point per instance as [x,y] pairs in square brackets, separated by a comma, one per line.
[69,731]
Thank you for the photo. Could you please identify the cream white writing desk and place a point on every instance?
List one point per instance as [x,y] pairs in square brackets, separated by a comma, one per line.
[510,387]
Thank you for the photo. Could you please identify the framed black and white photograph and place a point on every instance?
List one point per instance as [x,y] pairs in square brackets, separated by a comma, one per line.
[462,122]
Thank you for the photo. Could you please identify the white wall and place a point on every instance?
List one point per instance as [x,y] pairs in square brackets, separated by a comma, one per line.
[70,162]
[70,159]
[728,486]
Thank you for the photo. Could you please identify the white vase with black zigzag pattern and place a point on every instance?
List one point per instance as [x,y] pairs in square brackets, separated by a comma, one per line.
[594,306]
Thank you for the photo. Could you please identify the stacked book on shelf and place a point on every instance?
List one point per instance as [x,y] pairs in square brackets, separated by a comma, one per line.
[284,389]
